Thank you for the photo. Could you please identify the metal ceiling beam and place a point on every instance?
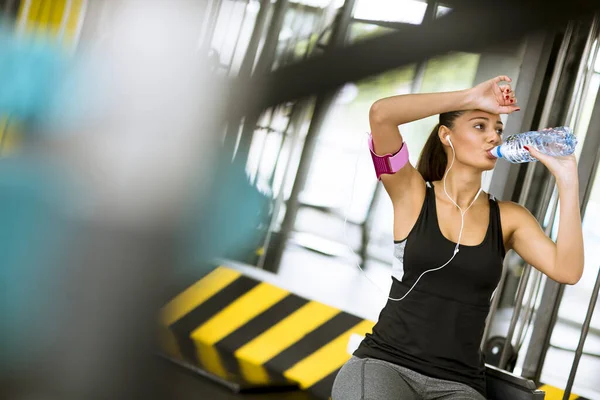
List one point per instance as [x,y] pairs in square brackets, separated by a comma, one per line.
[469,29]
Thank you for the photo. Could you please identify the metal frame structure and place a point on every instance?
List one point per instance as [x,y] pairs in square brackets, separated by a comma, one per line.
[584,332]
[546,314]
[529,91]
[526,190]
[322,105]
[320,75]
[430,15]
[567,81]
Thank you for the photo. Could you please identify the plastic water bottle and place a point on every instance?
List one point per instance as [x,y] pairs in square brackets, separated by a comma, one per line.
[553,141]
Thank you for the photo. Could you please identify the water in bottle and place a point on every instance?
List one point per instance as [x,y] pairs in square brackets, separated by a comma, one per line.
[553,141]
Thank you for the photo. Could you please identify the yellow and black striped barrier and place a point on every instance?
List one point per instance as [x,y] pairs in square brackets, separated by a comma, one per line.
[55,18]
[254,333]
[247,333]
[62,19]
[554,393]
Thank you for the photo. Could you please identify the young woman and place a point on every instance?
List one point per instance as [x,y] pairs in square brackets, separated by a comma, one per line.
[426,343]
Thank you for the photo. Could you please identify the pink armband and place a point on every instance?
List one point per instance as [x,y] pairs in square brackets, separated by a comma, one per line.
[389,163]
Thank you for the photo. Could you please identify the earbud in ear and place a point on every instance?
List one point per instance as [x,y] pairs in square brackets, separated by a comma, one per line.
[449,141]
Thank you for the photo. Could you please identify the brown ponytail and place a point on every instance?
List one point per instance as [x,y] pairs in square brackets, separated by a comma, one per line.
[433,160]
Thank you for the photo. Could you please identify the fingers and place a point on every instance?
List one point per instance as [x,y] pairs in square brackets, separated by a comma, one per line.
[536,154]
[533,152]
[508,95]
[502,78]
[509,109]
[507,100]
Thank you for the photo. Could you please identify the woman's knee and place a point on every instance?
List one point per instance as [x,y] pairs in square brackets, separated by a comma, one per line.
[348,384]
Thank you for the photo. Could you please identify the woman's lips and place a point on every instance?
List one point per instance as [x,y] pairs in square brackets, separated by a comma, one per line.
[489,155]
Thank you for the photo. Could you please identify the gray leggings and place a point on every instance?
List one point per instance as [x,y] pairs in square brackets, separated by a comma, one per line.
[370,379]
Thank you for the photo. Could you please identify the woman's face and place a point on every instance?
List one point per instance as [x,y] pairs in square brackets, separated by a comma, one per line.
[475,133]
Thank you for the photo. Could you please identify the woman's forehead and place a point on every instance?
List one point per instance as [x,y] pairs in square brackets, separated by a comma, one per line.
[479,114]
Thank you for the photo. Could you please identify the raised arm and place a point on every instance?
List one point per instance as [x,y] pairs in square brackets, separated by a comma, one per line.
[386,114]
[561,261]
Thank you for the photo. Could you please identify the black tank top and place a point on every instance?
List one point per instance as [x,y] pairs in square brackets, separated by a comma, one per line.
[437,329]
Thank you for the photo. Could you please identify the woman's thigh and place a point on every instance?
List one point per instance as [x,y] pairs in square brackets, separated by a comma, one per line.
[438,389]
[364,379]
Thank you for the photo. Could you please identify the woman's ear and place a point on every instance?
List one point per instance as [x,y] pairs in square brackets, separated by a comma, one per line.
[443,134]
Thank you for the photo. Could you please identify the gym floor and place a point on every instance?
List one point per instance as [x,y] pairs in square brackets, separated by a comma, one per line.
[189,386]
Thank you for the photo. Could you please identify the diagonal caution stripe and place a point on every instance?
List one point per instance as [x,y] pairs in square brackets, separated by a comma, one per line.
[43,18]
[254,373]
[197,294]
[59,9]
[211,361]
[286,333]
[554,393]
[327,359]
[32,12]
[238,313]
[169,342]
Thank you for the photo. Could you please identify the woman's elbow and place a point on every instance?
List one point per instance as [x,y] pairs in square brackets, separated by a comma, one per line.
[377,114]
[570,281]
[572,278]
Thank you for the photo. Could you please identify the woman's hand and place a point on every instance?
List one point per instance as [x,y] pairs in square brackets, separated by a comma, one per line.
[494,98]
[564,168]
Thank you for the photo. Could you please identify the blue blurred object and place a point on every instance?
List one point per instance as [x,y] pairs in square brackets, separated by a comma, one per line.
[32,250]
[231,223]
[31,71]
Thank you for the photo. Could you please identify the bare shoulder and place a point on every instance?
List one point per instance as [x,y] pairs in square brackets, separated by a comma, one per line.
[512,209]
[514,215]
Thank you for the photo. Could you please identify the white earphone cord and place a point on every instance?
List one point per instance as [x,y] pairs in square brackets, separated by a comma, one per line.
[462,225]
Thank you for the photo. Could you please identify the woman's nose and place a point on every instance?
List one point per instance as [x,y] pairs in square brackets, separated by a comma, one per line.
[495,138]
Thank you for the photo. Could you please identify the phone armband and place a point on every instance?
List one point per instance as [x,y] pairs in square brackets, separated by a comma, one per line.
[389,163]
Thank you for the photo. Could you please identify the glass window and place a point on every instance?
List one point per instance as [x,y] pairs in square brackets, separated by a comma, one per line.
[320,3]
[581,119]
[407,11]
[571,314]
[361,30]
[575,300]
[442,10]
[233,29]
[342,143]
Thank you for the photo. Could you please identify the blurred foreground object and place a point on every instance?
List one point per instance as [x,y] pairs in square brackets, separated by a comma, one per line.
[30,72]
[118,148]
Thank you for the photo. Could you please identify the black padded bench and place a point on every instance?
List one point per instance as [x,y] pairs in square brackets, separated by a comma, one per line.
[502,385]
